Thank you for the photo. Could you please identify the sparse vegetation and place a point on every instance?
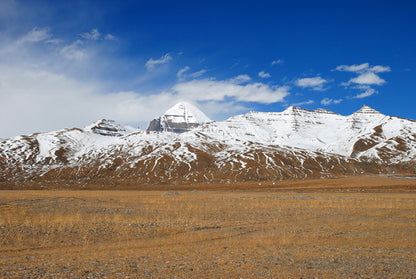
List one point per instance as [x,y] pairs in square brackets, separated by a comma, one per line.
[211,234]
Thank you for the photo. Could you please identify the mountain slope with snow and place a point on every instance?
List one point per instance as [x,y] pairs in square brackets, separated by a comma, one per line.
[322,131]
[292,144]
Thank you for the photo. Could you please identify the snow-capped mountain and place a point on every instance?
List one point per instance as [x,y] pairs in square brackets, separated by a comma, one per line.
[294,143]
[180,118]
[324,131]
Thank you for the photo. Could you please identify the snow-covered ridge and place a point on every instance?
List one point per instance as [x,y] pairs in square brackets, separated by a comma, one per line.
[256,145]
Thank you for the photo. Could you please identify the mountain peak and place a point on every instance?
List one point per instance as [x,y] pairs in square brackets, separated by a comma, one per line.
[290,109]
[180,118]
[187,112]
[294,110]
[107,127]
[367,110]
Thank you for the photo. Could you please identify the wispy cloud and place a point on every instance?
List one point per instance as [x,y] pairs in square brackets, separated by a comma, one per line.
[278,61]
[352,68]
[152,63]
[181,72]
[363,68]
[316,83]
[36,35]
[328,101]
[238,88]
[263,74]
[198,73]
[368,91]
[308,102]
[74,51]
[240,79]
[92,35]
[380,69]
[110,37]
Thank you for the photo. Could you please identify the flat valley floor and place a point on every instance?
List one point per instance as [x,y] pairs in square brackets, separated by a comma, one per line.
[357,227]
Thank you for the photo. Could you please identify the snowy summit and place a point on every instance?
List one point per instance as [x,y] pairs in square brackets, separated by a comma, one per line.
[180,118]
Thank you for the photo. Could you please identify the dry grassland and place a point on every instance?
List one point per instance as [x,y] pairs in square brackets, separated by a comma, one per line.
[211,234]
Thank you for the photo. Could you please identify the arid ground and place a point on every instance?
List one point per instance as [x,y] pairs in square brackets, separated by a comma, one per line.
[360,227]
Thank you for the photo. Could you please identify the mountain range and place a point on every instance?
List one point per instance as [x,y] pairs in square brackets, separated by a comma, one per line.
[185,146]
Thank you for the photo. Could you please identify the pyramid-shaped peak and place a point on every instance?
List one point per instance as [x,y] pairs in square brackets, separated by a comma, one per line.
[186,112]
[180,118]
[367,110]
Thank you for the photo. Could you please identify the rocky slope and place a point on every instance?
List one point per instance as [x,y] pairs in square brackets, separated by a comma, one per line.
[107,127]
[292,144]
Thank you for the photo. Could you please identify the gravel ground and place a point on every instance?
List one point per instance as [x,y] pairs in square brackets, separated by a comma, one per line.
[207,235]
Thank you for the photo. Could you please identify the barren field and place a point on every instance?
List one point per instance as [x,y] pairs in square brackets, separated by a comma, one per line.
[359,227]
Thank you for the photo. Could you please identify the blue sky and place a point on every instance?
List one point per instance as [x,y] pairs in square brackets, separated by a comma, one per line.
[69,63]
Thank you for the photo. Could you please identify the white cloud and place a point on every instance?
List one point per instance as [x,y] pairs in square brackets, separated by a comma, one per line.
[264,74]
[363,68]
[198,74]
[240,79]
[353,68]
[369,78]
[180,73]
[92,35]
[110,37]
[36,35]
[308,102]
[367,93]
[152,63]
[366,76]
[380,69]
[40,91]
[236,88]
[41,101]
[73,51]
[316,83]
[40,94]
[327,101]
[278,61]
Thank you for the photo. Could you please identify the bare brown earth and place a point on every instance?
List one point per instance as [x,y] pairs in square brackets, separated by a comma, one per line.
[355,227]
